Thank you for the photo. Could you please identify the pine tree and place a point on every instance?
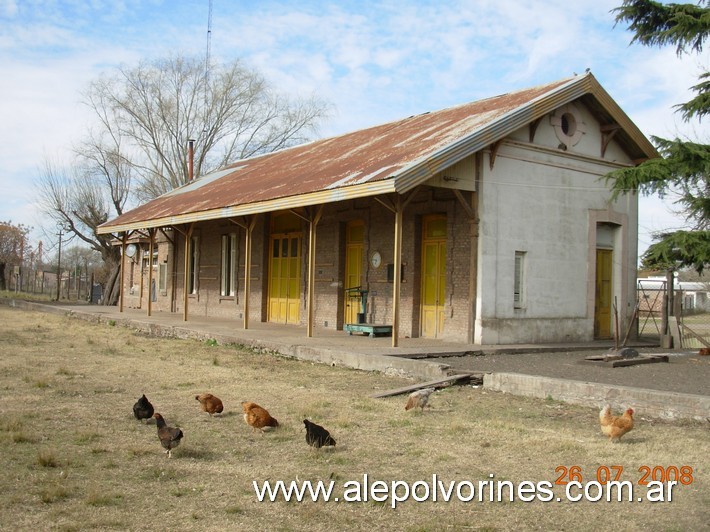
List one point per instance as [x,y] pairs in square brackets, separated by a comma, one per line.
[684,166]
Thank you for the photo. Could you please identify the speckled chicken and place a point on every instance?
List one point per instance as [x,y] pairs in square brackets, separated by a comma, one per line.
[210,403]
[419,399]
[143,409]
[317,436]
[169,436]
[257,417]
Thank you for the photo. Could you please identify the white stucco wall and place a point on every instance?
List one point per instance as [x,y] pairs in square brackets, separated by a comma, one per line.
[546,202]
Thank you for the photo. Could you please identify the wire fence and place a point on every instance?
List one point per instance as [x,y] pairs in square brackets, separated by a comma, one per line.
[691,310]
[695,329]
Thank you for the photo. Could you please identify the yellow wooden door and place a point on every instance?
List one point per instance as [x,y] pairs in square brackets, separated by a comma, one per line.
[284,279]
[433,292]
[354,249]
[602,299]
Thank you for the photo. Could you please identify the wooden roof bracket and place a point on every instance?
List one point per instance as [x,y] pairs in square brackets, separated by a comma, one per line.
[532,129]
[494,152]
[162,230]
[468,207]
[608,131]
[389,206]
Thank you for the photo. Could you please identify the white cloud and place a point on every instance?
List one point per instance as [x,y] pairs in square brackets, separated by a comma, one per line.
[374,61]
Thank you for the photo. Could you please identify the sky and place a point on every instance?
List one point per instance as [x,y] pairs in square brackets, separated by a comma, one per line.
[372,61]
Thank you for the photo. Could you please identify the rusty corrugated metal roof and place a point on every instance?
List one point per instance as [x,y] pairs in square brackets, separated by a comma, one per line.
[392,157]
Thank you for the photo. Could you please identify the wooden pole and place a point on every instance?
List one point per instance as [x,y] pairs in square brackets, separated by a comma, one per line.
[399,208]
[123,268]
[313,223]
[249,228]
[151,237]
[185,283]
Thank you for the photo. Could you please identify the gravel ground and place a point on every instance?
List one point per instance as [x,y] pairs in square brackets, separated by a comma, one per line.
[686,371]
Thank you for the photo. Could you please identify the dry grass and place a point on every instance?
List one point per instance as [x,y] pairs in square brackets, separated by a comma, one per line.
[73,457]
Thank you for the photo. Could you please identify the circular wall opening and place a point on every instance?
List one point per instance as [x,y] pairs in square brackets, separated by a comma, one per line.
[568,123]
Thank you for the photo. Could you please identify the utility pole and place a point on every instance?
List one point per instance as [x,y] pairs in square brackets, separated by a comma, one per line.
[59,265]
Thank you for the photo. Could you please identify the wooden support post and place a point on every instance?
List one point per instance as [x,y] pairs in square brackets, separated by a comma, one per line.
[313,223]
[185,284]
[399,208]
[249,228]
[151,237]
[124,239]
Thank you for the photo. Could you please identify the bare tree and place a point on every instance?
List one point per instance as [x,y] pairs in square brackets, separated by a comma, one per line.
[231,114]
[81,197]
[139,147]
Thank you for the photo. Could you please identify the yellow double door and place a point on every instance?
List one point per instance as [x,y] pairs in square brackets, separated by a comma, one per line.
[285,278]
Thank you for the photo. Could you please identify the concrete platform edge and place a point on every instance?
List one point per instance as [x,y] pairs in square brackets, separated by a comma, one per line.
[647,403]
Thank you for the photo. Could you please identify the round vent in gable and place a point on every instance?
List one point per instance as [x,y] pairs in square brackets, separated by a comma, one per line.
[568,125]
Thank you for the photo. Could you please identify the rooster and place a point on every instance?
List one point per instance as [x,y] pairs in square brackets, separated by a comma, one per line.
[317,436]
[210,403]
[419,399]
[169,436]
[616,426]
[257,417]
[143,409]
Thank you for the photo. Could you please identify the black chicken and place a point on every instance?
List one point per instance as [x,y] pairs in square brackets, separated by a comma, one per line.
[169,436]
[317,436]
[143,409]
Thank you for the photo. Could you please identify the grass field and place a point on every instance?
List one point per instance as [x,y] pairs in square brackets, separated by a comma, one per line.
[73,457]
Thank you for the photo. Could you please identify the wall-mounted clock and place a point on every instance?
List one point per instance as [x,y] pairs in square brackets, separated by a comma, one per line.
[130,250]
[376,259]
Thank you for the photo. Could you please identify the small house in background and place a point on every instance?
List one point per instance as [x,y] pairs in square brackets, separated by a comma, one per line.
[690,296]
[483,223]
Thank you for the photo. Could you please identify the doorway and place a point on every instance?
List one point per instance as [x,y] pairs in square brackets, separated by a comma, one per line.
[433,292]
[354,249]
[285,269]
[602,298]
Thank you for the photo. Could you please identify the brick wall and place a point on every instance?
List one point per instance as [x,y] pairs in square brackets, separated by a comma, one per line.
[329,298]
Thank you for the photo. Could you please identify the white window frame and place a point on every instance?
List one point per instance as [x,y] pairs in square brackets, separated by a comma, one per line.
[194,265]
[519,280]
[163,278]
[229,265]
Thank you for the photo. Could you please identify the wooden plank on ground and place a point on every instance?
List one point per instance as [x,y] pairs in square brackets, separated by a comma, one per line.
[639,360]
[438,383]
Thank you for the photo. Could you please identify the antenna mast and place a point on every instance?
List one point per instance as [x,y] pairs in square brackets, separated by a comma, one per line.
[205,126]
[209,49]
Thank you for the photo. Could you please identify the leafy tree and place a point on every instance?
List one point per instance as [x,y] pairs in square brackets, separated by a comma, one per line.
[684,166]
[14,244]
[138,148]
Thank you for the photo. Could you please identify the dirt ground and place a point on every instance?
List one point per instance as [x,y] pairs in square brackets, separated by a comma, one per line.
[686,371]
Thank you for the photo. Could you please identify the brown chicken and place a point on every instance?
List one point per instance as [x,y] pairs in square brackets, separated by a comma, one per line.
[210,403]
[169,436]
[616,426]
[257,417]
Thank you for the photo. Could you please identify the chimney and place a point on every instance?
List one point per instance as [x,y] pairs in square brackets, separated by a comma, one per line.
[191,159]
